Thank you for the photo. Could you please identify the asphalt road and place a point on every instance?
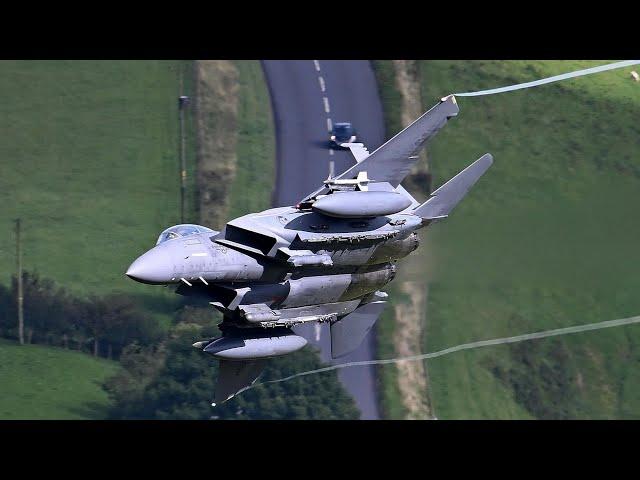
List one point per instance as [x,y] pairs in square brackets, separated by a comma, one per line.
[307,97]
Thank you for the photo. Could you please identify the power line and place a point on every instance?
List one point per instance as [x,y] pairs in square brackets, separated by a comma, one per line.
[556,78]
[183,101]
[19,279]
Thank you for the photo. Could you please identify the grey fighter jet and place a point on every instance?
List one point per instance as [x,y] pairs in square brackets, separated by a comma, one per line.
[322,260]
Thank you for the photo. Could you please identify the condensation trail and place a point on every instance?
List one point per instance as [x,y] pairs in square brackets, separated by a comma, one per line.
[496,341]
[465,346]
[556,78]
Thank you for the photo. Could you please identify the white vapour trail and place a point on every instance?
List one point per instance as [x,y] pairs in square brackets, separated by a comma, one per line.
[496,341]
[556,78]
[465,346]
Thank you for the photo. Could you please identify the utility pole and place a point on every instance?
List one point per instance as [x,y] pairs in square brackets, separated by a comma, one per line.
[183,101]
[20,294]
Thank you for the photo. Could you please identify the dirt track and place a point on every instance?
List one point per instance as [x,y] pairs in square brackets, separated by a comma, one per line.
[407,341]
[216,121]
[410,317]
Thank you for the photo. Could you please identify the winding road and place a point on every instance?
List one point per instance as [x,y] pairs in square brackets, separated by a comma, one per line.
[307,97]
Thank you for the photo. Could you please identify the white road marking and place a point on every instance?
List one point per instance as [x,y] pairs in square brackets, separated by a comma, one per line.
[318,330]
[327,109]
[200,254]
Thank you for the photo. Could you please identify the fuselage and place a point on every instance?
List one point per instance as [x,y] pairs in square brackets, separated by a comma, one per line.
[247,249]
[258,253]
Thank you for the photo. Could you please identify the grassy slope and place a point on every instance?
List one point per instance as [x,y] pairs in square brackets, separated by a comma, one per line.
[104,168]
[255,170]
[185,68]
[89,161]
[546,239]
[51,383]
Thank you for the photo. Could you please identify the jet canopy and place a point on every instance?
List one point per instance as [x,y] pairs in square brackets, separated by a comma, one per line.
[183,230]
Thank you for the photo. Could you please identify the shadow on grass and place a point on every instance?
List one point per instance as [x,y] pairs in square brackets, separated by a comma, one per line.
[90,410]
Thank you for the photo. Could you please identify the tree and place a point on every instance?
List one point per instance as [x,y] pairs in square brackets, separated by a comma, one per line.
[45,308]
[183,388]
[124,322]
[116,321]
[141,365]
[54,316]
[7,312]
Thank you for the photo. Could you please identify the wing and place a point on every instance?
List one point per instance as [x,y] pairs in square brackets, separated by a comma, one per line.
[233,376]
[348,333]
[393,161]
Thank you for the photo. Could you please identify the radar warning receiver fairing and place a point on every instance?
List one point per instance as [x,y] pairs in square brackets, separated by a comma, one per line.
[322,260]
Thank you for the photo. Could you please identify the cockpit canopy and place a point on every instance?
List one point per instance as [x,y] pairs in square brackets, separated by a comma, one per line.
[183,230]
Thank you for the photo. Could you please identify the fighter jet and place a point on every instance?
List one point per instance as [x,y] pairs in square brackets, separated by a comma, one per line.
[322,260]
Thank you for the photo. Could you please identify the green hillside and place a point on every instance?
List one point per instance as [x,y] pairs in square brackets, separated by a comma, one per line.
[89,162]
[548,238]
[51,383]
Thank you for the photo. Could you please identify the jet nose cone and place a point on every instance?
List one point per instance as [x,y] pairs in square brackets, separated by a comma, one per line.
[153,267]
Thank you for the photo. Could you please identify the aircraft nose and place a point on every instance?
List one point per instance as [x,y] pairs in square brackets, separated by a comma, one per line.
[154,266]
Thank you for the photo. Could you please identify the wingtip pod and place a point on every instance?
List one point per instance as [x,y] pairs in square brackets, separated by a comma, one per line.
[451,98]
[450,104]
[444,199]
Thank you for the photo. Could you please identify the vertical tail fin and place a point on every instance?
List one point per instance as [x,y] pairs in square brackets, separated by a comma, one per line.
[444,199]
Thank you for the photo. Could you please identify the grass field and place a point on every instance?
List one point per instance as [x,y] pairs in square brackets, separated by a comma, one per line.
[255,169]
[547,239]
[40,382]
[89,162]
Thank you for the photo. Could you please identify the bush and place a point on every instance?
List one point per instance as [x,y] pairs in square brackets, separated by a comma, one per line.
[104,324]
